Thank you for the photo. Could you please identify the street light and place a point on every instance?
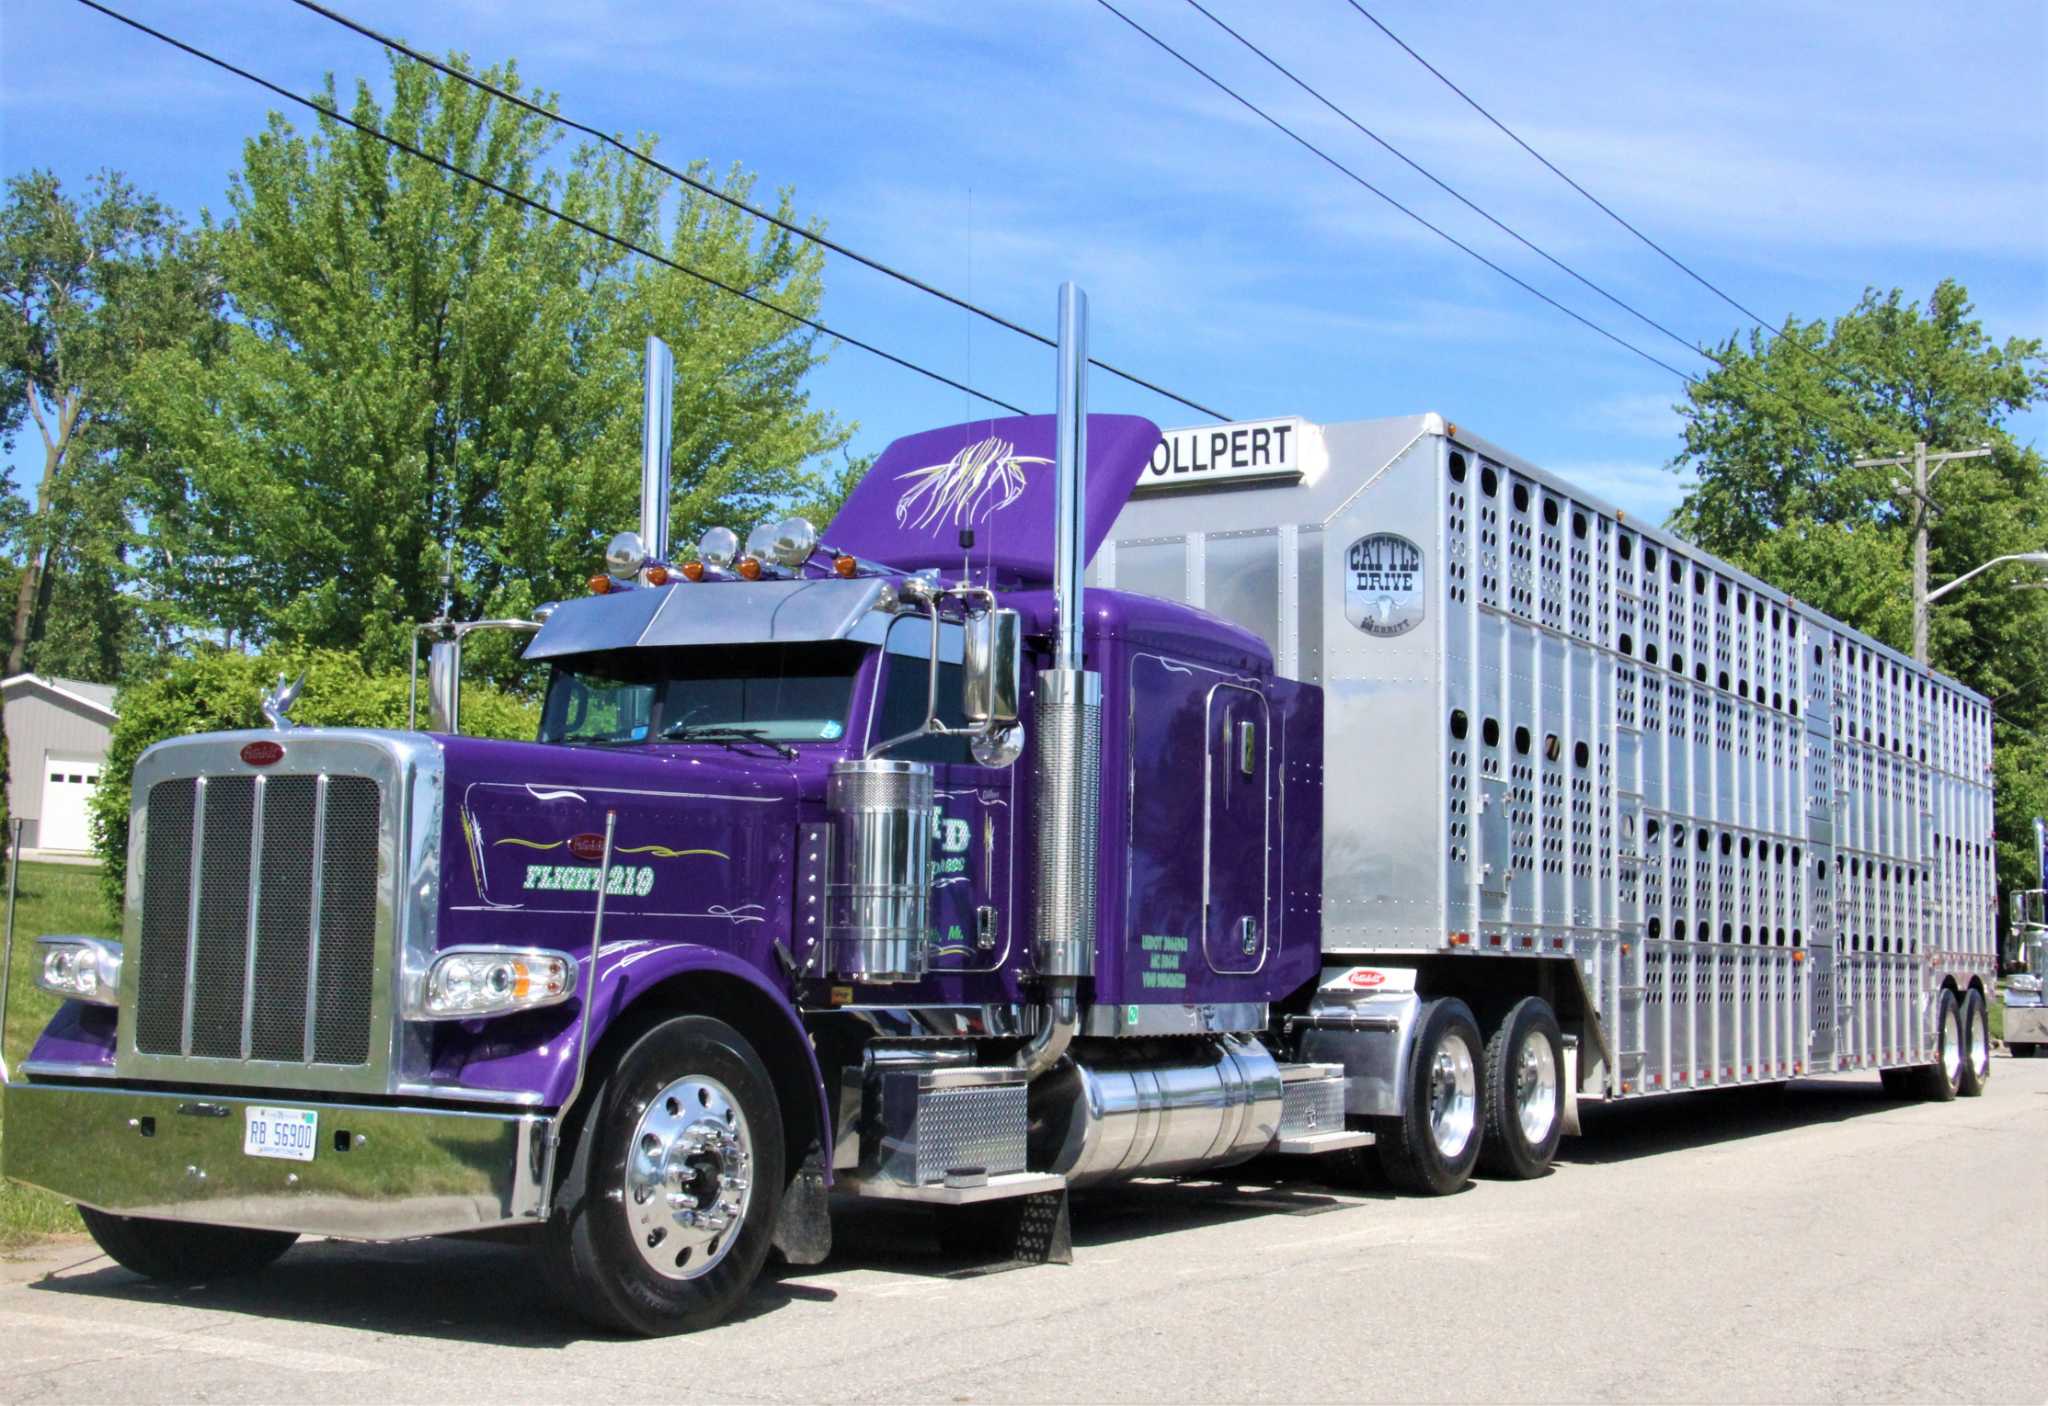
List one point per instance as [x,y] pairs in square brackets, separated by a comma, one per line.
[2038,558]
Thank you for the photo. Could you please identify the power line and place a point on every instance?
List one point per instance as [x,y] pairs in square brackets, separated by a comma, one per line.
[541,208]
[766,216]
[1444,186]
[1605,208]
[1352,175]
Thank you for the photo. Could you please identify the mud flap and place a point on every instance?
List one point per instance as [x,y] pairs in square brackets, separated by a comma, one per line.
[803,1227]
[1010,1233]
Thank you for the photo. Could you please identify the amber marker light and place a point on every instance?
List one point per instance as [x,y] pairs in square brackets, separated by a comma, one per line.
[693,571]
[750,568]
[600,585]
[657,576]
[844,565]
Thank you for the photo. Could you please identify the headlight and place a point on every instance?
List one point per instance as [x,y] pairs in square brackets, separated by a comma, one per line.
[81,968]
[468,982]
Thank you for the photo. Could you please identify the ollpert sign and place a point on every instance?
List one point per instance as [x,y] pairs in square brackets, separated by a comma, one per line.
[1213,456]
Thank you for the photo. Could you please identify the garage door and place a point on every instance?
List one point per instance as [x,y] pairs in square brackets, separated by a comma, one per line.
[67,787]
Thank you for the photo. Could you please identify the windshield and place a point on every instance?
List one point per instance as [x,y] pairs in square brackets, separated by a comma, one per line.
[774,692]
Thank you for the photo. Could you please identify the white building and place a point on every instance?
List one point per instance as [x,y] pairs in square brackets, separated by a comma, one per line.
[57,731]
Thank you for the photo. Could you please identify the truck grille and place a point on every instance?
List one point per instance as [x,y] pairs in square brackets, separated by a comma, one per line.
[259,919]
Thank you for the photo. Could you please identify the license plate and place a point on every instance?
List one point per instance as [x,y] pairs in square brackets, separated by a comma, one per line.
[290,1133]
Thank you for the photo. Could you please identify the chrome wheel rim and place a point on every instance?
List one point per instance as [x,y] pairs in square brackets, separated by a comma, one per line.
[1951,1047]
[1536,1088]
[1980,1044]
[1453,1097]
[689,1177]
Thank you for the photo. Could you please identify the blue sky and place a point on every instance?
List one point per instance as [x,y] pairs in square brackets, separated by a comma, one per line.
[1793,153]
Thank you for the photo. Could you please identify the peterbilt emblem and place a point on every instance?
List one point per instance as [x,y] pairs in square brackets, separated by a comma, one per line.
[1367,977]
[590,847]
[1383,584]
[264,753]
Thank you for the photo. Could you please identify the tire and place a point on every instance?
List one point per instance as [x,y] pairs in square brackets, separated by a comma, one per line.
[1432,1147]
[1976,1026]
[1902,1083]
[687,1112]
[1941,1080]
[181,1253]
[1524,1087]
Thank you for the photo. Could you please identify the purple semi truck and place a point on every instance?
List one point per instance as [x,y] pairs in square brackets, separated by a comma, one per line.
[1378,800]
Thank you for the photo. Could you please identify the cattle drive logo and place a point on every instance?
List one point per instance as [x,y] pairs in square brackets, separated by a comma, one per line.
[1383,584]
[978,482]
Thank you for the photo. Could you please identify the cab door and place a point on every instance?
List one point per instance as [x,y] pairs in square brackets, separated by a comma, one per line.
[1237,826]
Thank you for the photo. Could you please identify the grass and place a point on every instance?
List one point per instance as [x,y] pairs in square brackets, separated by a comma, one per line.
[54,898]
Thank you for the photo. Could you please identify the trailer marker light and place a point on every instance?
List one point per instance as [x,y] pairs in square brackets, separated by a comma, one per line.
[600,585]
[693,571]
[1625,1087]
[1493,939]
[1557,943]
[1528,942]
[1461,939]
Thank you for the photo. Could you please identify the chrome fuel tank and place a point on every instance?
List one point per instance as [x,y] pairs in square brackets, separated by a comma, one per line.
[1096,1122]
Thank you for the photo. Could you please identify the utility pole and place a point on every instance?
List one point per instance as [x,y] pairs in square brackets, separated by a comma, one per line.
[1925,467]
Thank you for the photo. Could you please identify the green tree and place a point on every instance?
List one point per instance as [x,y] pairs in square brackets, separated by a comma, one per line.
[1772,436]
[218,690]
[92,288]
[415,360]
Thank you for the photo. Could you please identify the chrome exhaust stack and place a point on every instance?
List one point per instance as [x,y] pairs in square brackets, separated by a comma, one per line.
[1069,726]
[657,406]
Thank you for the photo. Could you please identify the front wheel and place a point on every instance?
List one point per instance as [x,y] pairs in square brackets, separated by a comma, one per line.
[180,1252]
[668,1208]
[1976,1068]
[1431,1148]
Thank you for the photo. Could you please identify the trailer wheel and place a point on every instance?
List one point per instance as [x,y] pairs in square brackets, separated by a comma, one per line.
[1939,1081]
[1524,1083]
[666,1212]
[180,1252]
[1431,1148]
[1976,1069]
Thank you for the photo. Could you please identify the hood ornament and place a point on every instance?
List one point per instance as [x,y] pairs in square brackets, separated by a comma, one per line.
[277,706]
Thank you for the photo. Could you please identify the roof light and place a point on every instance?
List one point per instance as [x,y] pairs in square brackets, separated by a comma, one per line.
[844,565]
[657,575]
[625,554]
[693,571]
[794,540]
[600,584]
[750,568]
[717,547]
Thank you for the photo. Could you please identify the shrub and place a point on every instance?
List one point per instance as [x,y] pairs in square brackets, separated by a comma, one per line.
[218,691]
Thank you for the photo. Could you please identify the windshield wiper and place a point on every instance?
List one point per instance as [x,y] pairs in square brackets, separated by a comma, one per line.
[728,735]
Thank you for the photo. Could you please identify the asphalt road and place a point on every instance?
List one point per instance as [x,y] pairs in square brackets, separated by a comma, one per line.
[1828,1245]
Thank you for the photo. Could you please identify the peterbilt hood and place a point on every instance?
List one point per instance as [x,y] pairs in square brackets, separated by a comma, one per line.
[702,842]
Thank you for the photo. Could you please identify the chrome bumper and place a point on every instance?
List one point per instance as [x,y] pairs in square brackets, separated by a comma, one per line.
[2026,1025]
[405,1171]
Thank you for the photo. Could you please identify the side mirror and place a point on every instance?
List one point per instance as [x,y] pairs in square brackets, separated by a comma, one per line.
[994,664]
[444,685]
